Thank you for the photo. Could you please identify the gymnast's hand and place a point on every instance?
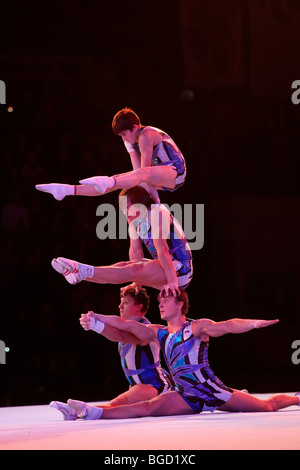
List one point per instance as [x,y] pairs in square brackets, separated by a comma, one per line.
[87,320]
[264,323]
[169,289]
[134,285]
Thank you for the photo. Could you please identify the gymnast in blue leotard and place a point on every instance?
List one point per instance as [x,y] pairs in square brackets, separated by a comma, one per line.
[164,153]
[157,162]
[176,241]
[141,364]
[187,359]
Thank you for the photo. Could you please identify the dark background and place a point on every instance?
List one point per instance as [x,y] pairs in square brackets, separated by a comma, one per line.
[217,76]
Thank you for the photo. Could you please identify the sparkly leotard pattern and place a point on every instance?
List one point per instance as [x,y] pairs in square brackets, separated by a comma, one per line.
[187,360]
[165,153]
[141,364]
[178,246]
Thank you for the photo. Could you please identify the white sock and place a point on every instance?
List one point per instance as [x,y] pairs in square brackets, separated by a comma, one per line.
[84,410]
[63,265]
[58,190]
[85,270]
[68,413]
[93,412]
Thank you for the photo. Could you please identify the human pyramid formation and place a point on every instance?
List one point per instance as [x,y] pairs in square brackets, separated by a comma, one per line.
[189,386]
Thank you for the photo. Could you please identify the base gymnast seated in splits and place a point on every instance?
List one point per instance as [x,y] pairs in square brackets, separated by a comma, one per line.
[184,344]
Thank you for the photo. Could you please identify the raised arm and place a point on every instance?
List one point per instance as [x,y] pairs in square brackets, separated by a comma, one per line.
[160,223]
[205,327]
[136,251]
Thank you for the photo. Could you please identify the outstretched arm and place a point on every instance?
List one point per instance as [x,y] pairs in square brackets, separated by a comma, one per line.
[117,329]
[89,321]
[205,327]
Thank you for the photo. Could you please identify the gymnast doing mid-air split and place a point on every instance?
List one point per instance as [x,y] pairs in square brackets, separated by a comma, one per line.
[157,162]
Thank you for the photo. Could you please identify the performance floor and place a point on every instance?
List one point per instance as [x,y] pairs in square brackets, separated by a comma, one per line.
[43,428]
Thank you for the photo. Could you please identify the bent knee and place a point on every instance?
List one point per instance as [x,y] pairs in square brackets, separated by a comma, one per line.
[140,175]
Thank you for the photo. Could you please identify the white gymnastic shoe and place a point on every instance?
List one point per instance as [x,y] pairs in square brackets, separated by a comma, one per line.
[68,413]
[85,411]
[73,271]
[101,183]
[58,190]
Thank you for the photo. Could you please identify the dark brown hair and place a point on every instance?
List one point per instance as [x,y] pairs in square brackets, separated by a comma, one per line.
[181,297]
[124,120]
[141,298]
